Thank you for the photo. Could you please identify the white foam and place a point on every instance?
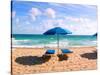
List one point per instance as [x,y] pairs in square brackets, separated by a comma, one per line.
[27,46]
[94,41]
[81,46]
[34,46]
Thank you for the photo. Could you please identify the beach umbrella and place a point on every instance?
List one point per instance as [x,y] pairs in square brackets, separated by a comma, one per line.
[57,31]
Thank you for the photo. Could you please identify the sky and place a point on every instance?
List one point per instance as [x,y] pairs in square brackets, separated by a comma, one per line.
[30,17]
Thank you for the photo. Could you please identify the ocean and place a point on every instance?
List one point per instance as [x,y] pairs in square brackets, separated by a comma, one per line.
[32,40]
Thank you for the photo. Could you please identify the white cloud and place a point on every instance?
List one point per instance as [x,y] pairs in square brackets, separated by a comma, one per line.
[90,6]
[51,23]
[74,19]
[13,14]
[33,17]
[77,19]
[34,12]
[60,21]
[50,12]
[27,22]
[84,26]
[48,24]
[17,20]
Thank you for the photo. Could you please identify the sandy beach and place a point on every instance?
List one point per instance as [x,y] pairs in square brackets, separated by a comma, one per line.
[33,60]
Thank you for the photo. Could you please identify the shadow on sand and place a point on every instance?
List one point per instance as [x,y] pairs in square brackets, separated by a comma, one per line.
[32,60]
[90,55]
[62,57]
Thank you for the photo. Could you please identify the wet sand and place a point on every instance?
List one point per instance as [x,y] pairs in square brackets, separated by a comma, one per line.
[33,60]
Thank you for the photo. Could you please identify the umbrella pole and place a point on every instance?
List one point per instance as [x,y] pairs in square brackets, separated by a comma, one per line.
[58,43]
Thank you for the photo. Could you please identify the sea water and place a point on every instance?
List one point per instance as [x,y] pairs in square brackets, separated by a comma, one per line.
[34,40]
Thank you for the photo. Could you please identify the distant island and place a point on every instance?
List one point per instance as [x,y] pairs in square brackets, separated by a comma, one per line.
[95,34]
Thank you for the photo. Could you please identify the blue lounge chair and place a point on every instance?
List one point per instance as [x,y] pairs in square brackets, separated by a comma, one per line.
[49,51]
[65,51]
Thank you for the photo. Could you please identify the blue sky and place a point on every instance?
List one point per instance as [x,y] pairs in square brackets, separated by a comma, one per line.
[37,17]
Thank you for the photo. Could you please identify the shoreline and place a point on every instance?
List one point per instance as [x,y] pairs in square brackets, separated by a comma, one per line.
[47,46]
